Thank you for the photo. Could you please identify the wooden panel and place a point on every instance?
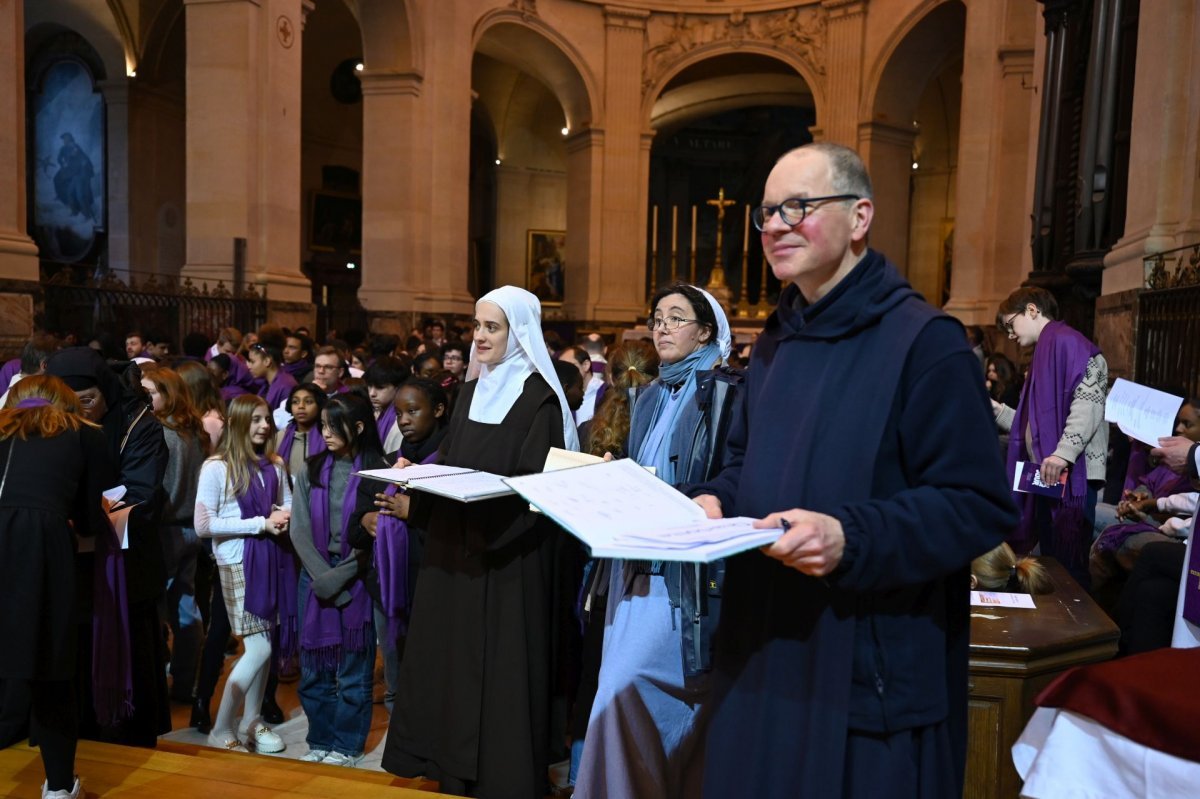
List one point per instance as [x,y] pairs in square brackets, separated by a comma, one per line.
[110,770]
[984,724]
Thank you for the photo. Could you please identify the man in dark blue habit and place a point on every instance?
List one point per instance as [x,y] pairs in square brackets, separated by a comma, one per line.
[841,656]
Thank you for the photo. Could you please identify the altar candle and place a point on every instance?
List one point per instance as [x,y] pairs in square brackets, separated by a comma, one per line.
[693,228]
[654,232]
[746,232]
[674,227]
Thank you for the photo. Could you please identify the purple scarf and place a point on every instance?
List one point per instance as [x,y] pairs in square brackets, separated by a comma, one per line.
[112,675]
[385,421]
[328,629]
[391,565]
[268,562]
[1059,363]
[315,441]
[1191,588]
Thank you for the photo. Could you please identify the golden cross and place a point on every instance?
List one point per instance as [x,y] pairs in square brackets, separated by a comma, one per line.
[721,203]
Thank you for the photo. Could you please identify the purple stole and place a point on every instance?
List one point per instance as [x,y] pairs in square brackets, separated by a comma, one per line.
[1059,363]
[297,370]
[315,441]
[112,675]
[1191,581]
[391,565]
[277,392]
[328,629]
[7,371]
[268,563]
[385,421]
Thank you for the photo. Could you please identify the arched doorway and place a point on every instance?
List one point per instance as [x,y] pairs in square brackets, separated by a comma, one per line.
[720,124]
[911,146]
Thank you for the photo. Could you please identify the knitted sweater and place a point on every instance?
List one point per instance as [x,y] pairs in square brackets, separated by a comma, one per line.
[1086,431]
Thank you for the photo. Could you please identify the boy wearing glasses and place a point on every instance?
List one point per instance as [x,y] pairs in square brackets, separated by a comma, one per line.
[1058,424]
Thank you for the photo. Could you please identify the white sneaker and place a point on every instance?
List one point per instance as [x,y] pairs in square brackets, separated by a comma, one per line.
[315,756]
[264,741]
[71,794]
[338,759]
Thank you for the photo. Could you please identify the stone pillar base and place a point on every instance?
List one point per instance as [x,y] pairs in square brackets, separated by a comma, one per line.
[292,314]
[18,301]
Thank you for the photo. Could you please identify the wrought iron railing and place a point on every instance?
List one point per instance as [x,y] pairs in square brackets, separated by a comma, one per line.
[85,305]
[1168,321]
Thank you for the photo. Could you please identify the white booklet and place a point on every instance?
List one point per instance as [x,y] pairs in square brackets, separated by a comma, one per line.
[640,517]
[454,482]
[1142,412]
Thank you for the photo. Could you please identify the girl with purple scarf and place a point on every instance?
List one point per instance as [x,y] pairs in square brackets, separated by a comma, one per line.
[302,439]
[337,635]
[1059,424]
[421,413]
[243,502]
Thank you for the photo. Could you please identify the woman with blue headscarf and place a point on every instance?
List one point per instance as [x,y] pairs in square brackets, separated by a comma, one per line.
[645,736]
[472,705]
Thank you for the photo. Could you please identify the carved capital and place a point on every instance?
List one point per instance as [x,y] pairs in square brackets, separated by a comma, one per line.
[842,9]
[619,17]
[390,81]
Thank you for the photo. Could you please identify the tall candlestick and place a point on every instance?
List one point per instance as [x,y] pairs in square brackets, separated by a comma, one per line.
[746,231]
[654,231]
[674,241]
[692,271]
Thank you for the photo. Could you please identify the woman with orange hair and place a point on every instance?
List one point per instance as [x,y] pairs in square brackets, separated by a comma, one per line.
[53,467]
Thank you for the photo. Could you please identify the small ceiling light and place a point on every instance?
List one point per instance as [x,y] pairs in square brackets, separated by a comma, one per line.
[915,165]
[351,266]
[497,162]
[566,131]
[358,67]
[131,73]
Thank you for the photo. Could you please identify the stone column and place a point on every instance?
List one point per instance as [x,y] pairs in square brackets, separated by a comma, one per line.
[846,20]
[615,282]
[887,152]
[585,225]
[18,253]
[243,147]
[992,189]
[1163,208]
[116,112]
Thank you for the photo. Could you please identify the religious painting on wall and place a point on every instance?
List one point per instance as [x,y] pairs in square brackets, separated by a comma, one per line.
[68,166]
[544,265]
[335,222]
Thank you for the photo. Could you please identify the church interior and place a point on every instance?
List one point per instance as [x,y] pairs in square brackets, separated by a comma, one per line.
[368,164]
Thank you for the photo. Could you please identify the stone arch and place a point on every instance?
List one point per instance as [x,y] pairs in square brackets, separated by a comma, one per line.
[390,35]
[102,31]
[909,137]
[537,49]
[805,71]
[916,51]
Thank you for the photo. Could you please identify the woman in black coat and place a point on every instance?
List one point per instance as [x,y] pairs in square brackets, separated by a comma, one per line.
[138,451]
[54,468]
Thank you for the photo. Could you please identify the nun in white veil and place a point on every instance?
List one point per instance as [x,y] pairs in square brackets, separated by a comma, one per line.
[472,703]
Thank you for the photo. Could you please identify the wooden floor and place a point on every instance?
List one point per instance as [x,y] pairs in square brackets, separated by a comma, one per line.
[182,771]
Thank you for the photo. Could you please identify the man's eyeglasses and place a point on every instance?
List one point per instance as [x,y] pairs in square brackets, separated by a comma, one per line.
[1006,324]
[667,322]
[794,209]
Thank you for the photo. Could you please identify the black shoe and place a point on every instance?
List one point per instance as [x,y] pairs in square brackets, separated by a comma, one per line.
[201,719]
[272,713]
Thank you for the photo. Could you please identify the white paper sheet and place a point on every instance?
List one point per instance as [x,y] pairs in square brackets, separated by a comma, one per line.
[454,482]
[1001,599]
[641,517]
[1144,413]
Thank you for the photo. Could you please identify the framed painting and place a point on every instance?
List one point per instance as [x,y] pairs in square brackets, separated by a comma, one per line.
[335,222]
[544,265]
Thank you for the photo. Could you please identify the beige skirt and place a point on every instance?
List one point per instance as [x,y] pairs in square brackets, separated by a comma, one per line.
[233,590]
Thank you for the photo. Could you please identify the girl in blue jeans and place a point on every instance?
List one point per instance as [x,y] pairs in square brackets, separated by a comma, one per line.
[337,635]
